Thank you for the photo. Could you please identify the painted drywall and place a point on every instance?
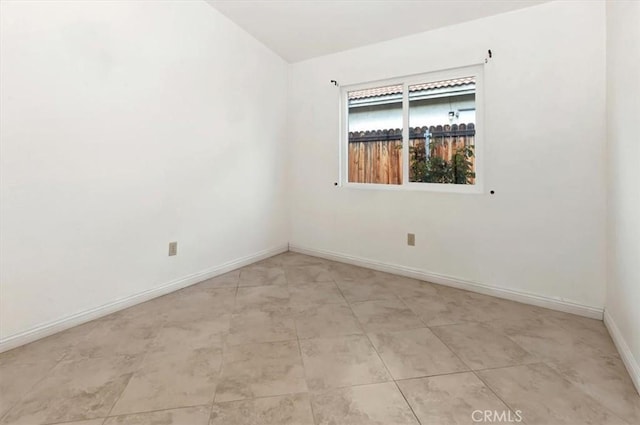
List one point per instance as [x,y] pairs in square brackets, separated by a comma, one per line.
[124,126]
[543,232]
[623,110]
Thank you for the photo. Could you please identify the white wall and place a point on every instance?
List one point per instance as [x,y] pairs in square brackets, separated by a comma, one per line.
[543,232]
[623,110]
[127,125]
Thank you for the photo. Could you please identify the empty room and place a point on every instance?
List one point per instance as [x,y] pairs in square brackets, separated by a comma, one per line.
[319,212]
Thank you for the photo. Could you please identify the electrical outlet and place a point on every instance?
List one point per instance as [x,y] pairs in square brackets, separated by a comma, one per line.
[411,239]
[173,248]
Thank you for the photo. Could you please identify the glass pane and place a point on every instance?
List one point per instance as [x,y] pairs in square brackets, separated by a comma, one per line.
[375,135]
[442,118]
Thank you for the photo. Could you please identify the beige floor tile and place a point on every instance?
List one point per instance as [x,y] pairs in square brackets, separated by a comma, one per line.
[295,259]
[308,274]
[213,327]
[49,350]
[377,404]
[540,337]
[17,379]
[284,410]
[326,320]
[548,340]
[404,286]
[439,305]
[482,347]
[385,315]
[588,331]
[98,421]
[366,290]
[446,306]
[341,271]
[453,399]
[259,370]
[203,302]
[74,391]
[491,308]
[262,276]
[415,353]
[238,346]
[119,334]
[185,416]
[227,280]
[255,326]
[151,312]
[182,369]
[544,397]
[315,294]
[419,286]
[274,261]
[341,361]
[392,279]
[265,298]
[605,378]
[197,333]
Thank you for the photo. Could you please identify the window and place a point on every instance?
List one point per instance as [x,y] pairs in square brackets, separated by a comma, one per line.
[420,132]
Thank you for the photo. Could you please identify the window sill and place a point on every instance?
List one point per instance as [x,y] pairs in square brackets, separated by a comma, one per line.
[475,189]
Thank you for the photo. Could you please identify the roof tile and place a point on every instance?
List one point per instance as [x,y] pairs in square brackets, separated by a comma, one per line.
[395,89]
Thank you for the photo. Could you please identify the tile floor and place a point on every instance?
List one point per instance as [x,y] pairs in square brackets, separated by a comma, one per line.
[297,340]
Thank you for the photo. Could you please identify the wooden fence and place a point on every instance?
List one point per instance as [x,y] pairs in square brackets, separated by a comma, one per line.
[376,156]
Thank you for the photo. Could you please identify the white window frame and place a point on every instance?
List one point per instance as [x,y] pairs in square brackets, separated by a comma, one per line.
[476,71]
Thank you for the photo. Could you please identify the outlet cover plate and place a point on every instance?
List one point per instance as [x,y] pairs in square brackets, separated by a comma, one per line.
[411,239]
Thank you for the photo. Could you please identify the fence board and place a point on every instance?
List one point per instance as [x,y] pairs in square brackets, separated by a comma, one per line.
[376,156]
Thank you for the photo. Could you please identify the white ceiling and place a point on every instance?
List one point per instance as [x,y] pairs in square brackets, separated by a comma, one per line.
[303,29]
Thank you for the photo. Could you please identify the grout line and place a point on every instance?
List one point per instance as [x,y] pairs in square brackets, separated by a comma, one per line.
[304,373]
[259,397]
[276,341]
[407,401]
[75,422]
[123,390]
[224,346]
[53,366]
[433,376]
[507,366]
[28,390]
[347,386]
[143,412]
[381,359]
[585,393]
[474,371]
[304,369]
[147,351]
[432,332]
[496,394]
[465,363]
[309,393]
[436,335]
[459,358]
[476,375]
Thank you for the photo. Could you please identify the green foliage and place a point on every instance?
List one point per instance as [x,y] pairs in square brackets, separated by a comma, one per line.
[434,169]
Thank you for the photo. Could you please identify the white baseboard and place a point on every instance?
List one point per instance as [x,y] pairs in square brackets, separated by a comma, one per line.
[509,294]
[631,363]
[56,326]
